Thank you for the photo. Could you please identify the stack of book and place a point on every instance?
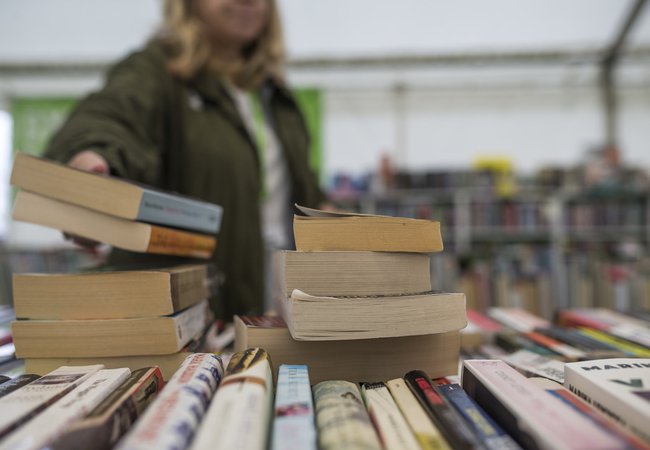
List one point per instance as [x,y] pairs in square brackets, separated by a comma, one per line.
[129,317]
[355,284]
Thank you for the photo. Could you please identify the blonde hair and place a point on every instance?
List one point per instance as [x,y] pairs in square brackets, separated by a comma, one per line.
[189,51]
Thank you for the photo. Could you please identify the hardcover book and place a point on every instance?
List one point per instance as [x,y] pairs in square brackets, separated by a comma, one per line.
[114,196]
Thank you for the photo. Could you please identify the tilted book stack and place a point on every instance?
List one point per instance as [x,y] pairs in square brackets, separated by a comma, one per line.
[358,283]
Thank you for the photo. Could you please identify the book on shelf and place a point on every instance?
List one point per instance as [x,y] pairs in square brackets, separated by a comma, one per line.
[125,234]
[618,387]
[356,361]
[47,426]
[114,416]
[109,337]
[114,196]
[110,294]
[317,318]
[526,412]
[172,419]
[350,273]
[334,231]
[341,418]
[240,412]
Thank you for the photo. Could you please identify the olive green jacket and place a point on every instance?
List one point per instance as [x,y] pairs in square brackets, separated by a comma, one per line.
[188,136]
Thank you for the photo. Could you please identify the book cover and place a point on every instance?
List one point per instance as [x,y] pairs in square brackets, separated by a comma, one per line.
[239,414]
[114,196]
[294,423]
[533,364]
[618,387]
[11,384]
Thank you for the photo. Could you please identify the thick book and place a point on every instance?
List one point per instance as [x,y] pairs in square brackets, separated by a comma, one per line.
[109,337]
[114,196]
[357,361]
[341,418]
[293,423]
[329,231]
[428,435]
[452,426]
[43,429]
[320,318]
[171,421]
[350,273]
[393,429]
[22,404]
[103,427]
[239,414]
[125,234]
[618,387]
[531,416]
[120,294]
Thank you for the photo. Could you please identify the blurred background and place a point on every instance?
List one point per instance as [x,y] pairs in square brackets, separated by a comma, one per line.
[523,126]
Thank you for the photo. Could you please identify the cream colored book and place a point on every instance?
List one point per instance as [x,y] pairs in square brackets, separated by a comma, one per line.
[321,318]
[350,273]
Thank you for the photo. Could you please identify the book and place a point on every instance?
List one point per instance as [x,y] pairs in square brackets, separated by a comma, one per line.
[350,273]
[341,418]
[452,426]
[480,330]
[356,361]
[125,234]
[11,384]
[531,416]
[533,364]
[40,431]
[626,439]
[426,433]
[393,430]
[518,319]
[239,414]
[102,428]
[319,318]
[618,387]
[173,417]
[118,294]
[484,427]
[114,196]
[22,404]
[595,349]
[109,337]
[612,322]
[329,231]
[293,423]
[629,348]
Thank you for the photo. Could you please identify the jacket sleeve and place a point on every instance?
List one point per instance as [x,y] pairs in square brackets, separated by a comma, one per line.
[124,121]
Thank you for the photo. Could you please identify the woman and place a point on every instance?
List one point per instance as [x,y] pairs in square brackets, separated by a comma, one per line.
[203,110]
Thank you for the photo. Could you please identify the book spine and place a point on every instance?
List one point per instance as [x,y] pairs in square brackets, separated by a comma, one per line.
[191,323]
[165,209]
[293,426]
[115,415]
[239,414]
[341,418]
[450,423]
[168,241]
[48,425]
[387,418]
[556,346]
[623,346]
[536,365]
[26,402]
[485,428]
[16,383]
[172,419]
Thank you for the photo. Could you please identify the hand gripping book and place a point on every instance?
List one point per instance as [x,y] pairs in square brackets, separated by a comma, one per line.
[293,425]
[342,419]
[112,418]
[239,414]
[171,421]
[114,196]
[452,426]
[618,387]
[39,432]
[125,234]
[393,430]
[427,434]
[334,231]
[26,402]
[531,416]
